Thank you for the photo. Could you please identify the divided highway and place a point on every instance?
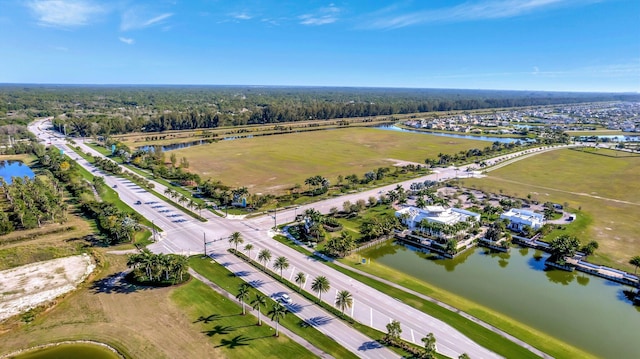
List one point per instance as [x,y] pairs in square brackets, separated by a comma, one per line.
[185,235]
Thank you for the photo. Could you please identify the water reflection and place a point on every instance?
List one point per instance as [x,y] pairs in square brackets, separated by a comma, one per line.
[559,276]
[519,286]
[10,169]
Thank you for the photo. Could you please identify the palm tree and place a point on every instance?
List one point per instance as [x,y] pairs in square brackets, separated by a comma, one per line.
[264,256]
[635,261]
[257,303]
[300,278]
[243,294]
[236,238]
[344,300]
[429,345]
[200,206]
[320,285]
[248,248]
[277,312]
[281,263]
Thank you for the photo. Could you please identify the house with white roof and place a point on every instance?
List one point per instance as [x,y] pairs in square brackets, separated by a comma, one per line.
[519,218]
[412,216]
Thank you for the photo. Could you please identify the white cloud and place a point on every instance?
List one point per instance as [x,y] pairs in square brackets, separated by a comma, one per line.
[468,11]
[127,40]
[64,13]
[325,15]
[131,20]
[242,16]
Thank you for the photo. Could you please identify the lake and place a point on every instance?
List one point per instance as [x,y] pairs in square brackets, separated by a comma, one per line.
[10,169]
[70,351]
[586,311]
[453,135]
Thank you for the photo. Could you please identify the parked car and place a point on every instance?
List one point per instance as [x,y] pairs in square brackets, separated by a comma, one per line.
[285,298]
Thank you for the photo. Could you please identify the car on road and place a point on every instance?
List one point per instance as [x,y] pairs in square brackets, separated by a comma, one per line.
[115,186]
[285,298]
[138,202]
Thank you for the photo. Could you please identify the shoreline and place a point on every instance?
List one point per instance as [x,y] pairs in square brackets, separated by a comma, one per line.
[66,342]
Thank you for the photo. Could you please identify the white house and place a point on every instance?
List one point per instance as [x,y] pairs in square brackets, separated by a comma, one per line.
[518,218]
[412,216]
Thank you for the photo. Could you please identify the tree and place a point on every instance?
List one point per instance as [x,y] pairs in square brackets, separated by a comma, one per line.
[393,331]
[236,238]
[429,345]
[344,300]
[320,285]
[589,248]
[257,303]
[564,246]
[281,263]
[277,312]
[264,256]
[243,294]
[300,278]
[635,261]
[248,247]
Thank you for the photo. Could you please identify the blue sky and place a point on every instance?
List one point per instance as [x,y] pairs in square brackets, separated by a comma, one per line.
[560,45]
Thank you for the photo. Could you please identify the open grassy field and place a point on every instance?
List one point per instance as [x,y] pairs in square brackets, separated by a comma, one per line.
[150,322]
[275,163]
[602,184]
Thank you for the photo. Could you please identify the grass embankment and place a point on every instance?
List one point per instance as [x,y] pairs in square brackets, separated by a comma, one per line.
[475,332]
[274,164]
[229,282]
[602,184]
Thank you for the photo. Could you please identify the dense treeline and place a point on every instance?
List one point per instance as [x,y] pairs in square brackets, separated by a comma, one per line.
[106,110]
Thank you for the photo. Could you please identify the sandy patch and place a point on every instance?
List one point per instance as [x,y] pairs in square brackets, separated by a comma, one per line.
[26,287]
[401,163]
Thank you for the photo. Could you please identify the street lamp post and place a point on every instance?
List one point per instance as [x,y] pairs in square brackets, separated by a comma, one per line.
[204,242]
[295,213]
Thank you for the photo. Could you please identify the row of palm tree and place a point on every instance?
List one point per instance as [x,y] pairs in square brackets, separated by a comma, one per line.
[150,267]
[277,312]
[184,201]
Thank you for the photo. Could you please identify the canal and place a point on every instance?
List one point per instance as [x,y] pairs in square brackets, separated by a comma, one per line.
[586,311]
[453,135]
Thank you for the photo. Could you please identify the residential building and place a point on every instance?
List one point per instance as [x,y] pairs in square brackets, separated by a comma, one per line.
[519,218]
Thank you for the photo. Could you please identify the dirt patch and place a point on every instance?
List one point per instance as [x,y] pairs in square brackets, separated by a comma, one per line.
[28,286]
[401,163]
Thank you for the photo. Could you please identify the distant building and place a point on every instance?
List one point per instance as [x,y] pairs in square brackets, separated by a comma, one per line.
[412,216]
[518,218]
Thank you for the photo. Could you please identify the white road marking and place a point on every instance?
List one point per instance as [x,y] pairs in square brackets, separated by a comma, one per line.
[353,306]
[293,269]
[413,338]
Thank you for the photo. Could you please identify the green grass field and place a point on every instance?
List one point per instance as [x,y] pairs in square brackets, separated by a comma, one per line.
[602,184]
[274,163]
[235,334]
[226,280]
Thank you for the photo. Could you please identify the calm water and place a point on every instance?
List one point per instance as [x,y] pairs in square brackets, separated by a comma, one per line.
[614,138]
[70,351]
[586,311]
[453,135]
[10,169]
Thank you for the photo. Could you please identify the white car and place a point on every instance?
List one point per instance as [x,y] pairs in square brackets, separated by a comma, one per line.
[285,298]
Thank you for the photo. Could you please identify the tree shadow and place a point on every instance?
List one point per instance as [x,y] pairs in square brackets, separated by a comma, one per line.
[208,319]
[256,283]
[242,273]
[318,321]
[116,283]
[369,345]
[239,340]
[295,307]
[219,330]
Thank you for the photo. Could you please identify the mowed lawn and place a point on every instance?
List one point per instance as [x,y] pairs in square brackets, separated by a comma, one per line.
[274,163]
[602,185]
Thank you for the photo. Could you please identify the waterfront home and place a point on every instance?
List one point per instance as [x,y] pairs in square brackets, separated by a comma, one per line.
[519,218]
[412,216]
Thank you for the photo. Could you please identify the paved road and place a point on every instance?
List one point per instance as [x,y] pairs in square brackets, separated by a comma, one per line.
[182,234]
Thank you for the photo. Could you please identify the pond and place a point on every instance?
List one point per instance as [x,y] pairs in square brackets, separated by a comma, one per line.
[453,135]
[10,169]
[609,138]
[70,351]
[588,312]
